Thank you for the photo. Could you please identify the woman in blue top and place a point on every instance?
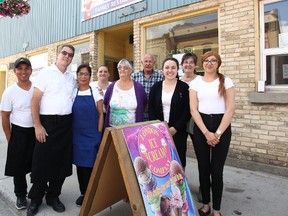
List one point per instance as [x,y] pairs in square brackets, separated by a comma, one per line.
[88,120]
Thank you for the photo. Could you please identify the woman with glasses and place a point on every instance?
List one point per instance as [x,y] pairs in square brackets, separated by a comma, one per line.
[125,99]
[188,63]
[212,108]
[87,125]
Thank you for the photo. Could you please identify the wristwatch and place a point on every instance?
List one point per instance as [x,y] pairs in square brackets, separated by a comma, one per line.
[218,133]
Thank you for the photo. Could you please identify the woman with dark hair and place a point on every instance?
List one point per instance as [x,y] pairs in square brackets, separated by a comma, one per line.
[88,120]
[169,101]
[188,63]
[212,108]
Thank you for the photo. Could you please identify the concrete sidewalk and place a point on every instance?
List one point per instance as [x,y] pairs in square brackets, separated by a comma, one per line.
[246,192]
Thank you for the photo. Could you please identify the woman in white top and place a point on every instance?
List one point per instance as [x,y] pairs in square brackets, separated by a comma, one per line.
[102,82]
[188,63]
[212,107]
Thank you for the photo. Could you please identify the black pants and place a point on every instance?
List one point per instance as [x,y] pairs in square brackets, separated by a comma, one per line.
[180,140]
[211,160]
[37,190]
[20,186]
[83,174]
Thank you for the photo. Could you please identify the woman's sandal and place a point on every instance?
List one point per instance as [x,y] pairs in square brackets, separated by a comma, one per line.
[202,213]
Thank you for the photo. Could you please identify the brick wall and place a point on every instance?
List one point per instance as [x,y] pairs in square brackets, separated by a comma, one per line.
[259,130]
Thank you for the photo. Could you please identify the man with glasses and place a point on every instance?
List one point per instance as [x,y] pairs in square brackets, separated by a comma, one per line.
[51,107]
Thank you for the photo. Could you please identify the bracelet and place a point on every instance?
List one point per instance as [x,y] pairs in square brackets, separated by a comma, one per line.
[205,132]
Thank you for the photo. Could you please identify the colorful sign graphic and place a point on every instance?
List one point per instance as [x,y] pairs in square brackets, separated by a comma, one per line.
[93,8]
[161,178]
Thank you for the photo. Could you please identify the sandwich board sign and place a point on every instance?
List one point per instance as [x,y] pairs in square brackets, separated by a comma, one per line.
[139,162]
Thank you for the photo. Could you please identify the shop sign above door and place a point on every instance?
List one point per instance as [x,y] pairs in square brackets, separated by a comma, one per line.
[93,8]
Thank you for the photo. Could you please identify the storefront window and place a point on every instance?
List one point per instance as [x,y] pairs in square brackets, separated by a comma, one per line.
[38,62]
[81,56]
[196,34]
[274,42]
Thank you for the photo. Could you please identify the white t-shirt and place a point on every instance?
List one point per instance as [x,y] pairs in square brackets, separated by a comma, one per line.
[57,91]
[196,78]
[18,101]
[123,105]
[166,104]
[94,85]
[95,92]
[209,101]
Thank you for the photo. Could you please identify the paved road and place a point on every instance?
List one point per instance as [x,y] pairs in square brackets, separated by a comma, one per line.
[6,209]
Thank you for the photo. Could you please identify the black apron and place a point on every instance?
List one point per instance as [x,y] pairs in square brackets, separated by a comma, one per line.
[52,160]
[20,151]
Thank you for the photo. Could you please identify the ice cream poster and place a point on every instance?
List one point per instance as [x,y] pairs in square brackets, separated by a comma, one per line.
[161,178]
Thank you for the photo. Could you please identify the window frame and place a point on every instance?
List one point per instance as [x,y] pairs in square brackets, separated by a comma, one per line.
[270,51]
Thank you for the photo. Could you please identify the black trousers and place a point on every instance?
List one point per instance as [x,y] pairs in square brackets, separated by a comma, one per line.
[38,188]
[180,140]
[83,174]
[211,160]
[20,185]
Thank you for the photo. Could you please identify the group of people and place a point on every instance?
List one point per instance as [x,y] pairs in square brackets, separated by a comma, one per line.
[59,121]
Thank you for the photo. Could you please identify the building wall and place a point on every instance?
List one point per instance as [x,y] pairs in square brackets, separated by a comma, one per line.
[52,50]
[50,21]
[260,132]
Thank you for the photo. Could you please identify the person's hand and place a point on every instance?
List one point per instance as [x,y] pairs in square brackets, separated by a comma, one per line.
[212,140]
[101,92]
[173,131]
[40,134]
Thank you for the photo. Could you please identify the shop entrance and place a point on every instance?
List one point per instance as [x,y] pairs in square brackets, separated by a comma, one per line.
[118,44]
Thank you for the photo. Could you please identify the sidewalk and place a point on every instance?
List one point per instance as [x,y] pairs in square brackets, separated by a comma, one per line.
[246,193]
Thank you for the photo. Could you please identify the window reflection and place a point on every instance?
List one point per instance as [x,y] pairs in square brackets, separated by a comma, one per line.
[276,25]
[81,56]
[196,34]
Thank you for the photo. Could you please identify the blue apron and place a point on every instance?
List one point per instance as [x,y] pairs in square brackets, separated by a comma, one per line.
[86,137]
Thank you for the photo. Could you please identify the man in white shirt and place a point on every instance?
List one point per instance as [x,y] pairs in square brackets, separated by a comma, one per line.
[18,128]
[51,106]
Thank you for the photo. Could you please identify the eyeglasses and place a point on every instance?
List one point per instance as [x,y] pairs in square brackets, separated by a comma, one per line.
[213,62]
[83,74]
[123,68]
[67,53]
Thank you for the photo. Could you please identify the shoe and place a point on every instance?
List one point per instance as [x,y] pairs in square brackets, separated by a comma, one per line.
[32,209]
[202,213]
[21,203]
[79,200]
[56,204]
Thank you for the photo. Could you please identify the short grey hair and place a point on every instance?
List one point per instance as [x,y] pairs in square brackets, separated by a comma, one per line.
[125,62]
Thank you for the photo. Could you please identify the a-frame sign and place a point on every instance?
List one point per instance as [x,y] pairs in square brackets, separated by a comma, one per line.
[127,155]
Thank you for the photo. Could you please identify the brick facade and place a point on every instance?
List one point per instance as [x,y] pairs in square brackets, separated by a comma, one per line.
[259,130]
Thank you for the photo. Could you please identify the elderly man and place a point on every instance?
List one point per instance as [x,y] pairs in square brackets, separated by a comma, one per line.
[148,76]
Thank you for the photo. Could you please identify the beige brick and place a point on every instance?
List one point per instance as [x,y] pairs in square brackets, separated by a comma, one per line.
[258,150]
